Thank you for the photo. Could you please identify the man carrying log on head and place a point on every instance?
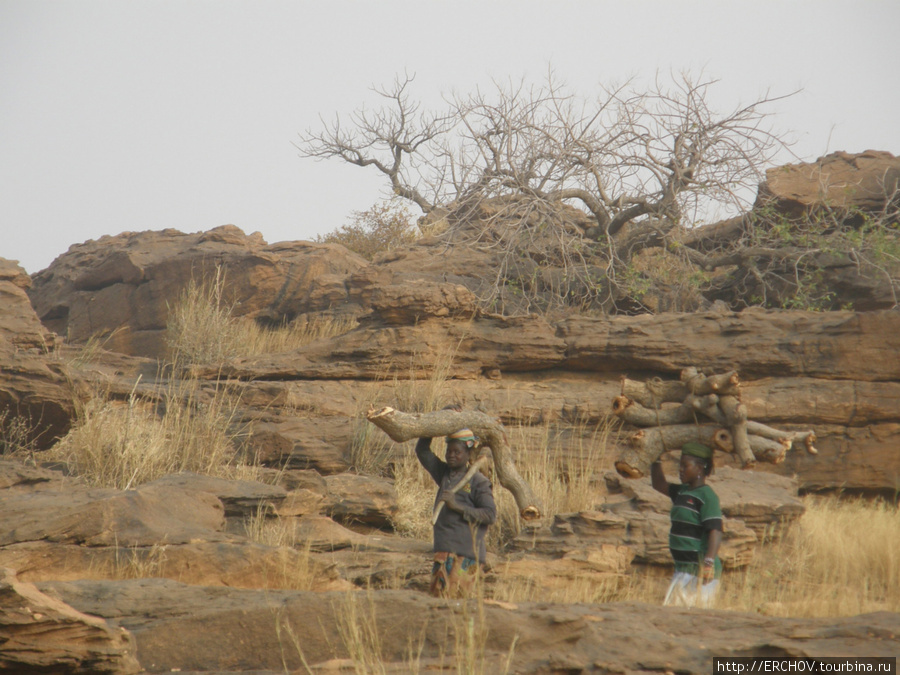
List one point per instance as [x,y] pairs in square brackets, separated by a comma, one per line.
[696,531]
[464,508]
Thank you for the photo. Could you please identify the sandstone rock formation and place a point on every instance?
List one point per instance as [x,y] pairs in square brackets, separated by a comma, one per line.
[41,634]
[33,387]
[119,286]
[837,181]
[223,601]
[228,628]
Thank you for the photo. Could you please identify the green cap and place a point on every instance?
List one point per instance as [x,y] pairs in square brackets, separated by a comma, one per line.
[697,450]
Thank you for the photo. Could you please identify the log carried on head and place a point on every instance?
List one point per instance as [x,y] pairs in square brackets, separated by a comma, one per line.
[402,427]
[710,412]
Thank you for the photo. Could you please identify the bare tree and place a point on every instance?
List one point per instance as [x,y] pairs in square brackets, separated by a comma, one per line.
[394,140]
[503,165]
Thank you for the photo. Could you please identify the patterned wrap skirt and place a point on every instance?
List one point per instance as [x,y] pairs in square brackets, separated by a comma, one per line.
[453,575]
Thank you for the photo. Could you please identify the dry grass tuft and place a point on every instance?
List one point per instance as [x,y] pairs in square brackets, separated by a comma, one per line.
[296,568]
[563,464]
[202,328]
[125,444]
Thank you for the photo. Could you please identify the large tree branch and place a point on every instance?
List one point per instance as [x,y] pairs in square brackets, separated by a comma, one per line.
[402,427]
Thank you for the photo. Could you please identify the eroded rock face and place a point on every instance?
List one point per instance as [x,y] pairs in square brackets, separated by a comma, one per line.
[840,180]
[119,286]
[41,634]
[223,629]
[108,517]
[56,528]
[33,386]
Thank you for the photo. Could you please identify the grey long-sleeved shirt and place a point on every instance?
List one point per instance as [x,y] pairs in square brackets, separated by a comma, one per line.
[459,533]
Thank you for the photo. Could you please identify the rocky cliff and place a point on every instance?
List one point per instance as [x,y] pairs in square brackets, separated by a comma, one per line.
[418,320]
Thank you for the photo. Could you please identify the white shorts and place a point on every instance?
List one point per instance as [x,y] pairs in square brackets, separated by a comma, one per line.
[686,591]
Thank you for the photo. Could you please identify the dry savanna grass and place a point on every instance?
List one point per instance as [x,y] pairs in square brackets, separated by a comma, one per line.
[297,569]
[202,328]
[181,425]
[842,558]
[361,635]
[125,444]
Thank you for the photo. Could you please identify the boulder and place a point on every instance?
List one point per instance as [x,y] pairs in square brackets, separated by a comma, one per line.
[754,505]
[319,443]
[841,181]
[135,276]
[764,502]
[757,343]
[605,566]
[241,499]
[322,534]
[646,532]
[400,298]
[16,476]
[36,403]
[41,634]
[367,500]
[857,458]
[106,517]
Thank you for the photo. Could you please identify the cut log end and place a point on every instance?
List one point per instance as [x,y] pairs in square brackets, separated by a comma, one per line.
[530,513]
[375,414]
[723,440]
[628,471]
[808,443]
[620,404]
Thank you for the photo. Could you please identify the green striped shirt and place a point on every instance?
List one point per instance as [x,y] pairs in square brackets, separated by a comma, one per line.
[695,512]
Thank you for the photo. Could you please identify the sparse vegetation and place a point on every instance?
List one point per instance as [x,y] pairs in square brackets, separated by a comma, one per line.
[123,444]
[203,329]
[826,565]
[382,227]
[791,261]
[842,558]
[16,434]
[563,463]
[362,638]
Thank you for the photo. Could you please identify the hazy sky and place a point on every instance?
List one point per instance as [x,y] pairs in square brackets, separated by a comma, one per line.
[128,115]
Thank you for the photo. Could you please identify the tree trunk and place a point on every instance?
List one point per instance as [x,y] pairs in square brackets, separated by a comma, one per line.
[654,392]
[808,437]
[636,414]
[736,416]
[402,427]
[710,411]
[647,445]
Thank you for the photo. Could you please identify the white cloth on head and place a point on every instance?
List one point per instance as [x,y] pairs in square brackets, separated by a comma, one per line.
[686,591]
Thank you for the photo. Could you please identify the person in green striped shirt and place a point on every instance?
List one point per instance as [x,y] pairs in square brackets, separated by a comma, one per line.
[696,531]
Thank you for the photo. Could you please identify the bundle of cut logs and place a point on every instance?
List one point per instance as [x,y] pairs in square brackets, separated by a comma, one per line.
[696,407]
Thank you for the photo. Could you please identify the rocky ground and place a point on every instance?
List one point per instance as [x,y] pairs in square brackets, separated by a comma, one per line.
[163,577]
